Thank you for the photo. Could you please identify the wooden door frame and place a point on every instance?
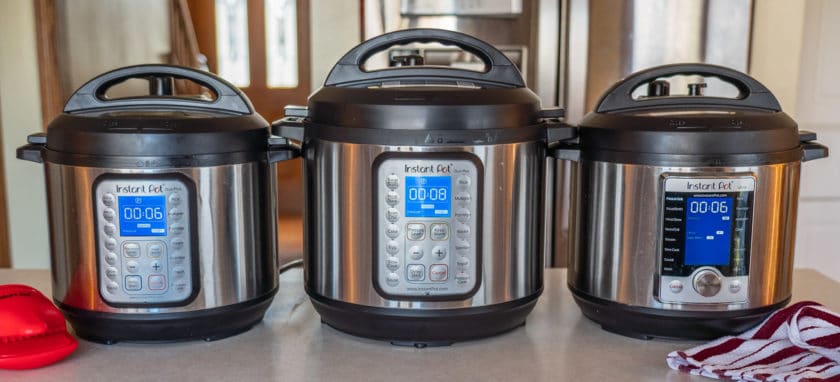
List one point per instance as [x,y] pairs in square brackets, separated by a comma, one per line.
[268,101]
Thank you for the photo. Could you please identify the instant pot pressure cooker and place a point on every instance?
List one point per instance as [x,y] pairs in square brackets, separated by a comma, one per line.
[684,207]
[424,194]
[161,209]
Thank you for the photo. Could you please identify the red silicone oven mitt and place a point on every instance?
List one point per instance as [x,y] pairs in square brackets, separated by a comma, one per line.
[32,330]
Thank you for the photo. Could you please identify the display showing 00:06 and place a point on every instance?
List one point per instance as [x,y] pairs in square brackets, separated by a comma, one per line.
[703,207]
[433,193]
[137,213]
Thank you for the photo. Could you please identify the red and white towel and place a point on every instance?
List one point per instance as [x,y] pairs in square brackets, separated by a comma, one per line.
[798,343]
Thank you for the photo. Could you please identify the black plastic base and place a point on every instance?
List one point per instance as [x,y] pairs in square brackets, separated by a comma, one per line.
[423,327]
[649,323]
[208,324]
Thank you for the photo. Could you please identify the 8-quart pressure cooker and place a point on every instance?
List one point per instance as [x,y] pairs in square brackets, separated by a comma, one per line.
[161,209]
[424,195]
[684,207]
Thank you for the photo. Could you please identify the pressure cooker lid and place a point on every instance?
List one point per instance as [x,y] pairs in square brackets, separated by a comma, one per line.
[158,124]
[691,124]
[411,97]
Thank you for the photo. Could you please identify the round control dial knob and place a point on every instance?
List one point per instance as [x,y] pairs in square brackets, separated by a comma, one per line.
[707,283]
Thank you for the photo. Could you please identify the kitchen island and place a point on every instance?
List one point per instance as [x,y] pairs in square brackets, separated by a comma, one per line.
[556,344]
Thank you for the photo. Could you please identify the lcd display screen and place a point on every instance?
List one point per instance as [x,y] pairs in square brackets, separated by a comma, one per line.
[428,196]
[142,215]
[708,230]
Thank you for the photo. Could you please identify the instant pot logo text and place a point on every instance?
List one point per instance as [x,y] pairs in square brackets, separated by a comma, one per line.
[139,189]
[430,169]
[717,185]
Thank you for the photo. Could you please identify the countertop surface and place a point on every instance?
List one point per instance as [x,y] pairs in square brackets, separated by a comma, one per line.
[556,344]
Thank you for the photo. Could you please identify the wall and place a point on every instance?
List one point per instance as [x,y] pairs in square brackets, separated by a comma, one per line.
[21,115]
[335,28]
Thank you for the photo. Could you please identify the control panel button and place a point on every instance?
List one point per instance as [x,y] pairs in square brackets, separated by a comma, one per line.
[462,246]
[462,231]
[438,272]
[132,266]
[439,252]
[110,244]
[133,283]
[392,263]
[463,181]
[416,272]
[155,250]
[179,272]
[392,247]
[463,197]
[392,198]
[112,273]
[392,181]
[175,198]
[155,266]
[130,249]
[111,258]
[157,282]
[179,286]
[462,215]
[109,214]
[392,215]
[392,279]
[176,214]
[675,286]
[415,231]
[707,283]
[177,243]
[108,199]
[735,286]
[415,252]
[177,258]
[462,278]
[463,263]
[439,231]
[112,287]
[176,229]
[109,229]
[392,231]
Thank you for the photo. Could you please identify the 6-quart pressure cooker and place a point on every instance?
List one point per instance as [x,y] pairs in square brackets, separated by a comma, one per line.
[161,209]
[424,195]
[684,207]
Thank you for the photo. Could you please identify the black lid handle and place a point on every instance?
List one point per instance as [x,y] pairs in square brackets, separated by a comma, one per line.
[752,93]
[500,72]
[92,94]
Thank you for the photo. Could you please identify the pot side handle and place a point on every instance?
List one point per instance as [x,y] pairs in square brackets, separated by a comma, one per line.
[33,150]
[811,150]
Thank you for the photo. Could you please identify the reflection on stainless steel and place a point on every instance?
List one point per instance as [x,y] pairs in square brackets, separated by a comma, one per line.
[615,232]
[338,236]
[237,257]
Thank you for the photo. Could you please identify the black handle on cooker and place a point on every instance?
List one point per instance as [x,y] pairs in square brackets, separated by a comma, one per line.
[33,150]
[348,72]
[752,93]
[811,150]
[92,94]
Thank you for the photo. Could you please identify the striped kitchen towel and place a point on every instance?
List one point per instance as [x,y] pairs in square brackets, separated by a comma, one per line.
[798,343]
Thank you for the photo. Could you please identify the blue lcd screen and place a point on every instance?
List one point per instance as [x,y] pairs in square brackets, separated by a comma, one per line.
[708,230]
[428,196]
[142,215]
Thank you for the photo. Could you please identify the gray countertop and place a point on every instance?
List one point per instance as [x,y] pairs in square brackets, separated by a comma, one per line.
[556,344]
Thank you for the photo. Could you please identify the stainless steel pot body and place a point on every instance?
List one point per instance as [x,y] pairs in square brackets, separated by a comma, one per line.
[236,224]
[615,232]
[339,222]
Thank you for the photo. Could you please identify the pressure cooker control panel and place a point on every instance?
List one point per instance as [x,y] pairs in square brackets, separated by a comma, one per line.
[706,224]
[427,218]
[144,241]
